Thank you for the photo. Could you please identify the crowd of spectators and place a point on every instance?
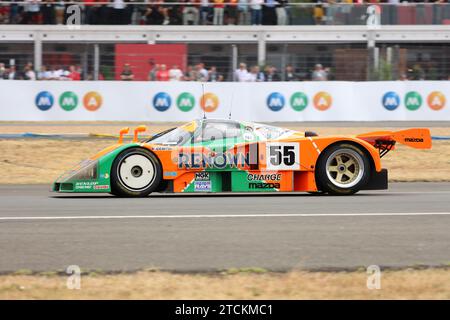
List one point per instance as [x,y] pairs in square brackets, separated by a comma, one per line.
[45,73]
[270,74]
[149,12]
[161,72]
[206,12]
[198,72]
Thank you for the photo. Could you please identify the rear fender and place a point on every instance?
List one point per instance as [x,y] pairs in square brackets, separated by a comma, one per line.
[370,150]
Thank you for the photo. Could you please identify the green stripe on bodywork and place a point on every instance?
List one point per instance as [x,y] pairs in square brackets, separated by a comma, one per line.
[240,183]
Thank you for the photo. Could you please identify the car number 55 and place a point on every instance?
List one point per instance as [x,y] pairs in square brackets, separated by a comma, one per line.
[283,156]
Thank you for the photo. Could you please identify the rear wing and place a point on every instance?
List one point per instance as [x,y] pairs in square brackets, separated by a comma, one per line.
[385,140]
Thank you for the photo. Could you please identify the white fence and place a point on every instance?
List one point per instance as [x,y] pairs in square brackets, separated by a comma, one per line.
[182,101]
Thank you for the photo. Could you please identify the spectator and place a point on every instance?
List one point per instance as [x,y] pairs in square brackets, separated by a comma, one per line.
[90,12]
[56,73]
[289,74]
[48,12]
[153,70]
[201,73]
[14,74]
[213,75]
[271,74]
[175,74]
[243,12]
[119,12]
[4,13]
[256,11]
[64,75]
[156,15]
[31,12]
[256,75]
[190,12]
[3,72]
[127,73]
[74,74]
[43,74]
[330,12]
[268,13]
[60,10]
[218,12]
[241,74]
[162,74]
[319,73]
[190,74]
[282,17]
[231,11]
[28,72]
[204,11]
[318,13]
[14,14]
[417,72]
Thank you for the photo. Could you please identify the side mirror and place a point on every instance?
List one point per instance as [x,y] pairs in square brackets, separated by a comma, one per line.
[136,132]
[122,132]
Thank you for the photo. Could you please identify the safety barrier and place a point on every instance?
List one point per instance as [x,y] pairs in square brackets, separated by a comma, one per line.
[183,101]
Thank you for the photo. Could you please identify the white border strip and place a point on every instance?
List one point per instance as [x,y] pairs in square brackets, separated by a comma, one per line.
[201,216]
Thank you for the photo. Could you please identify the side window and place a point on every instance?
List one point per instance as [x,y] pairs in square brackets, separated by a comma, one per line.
[233,131]
[212,133]
[218,131]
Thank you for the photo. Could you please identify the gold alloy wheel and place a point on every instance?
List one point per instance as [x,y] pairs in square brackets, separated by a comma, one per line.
[345,168]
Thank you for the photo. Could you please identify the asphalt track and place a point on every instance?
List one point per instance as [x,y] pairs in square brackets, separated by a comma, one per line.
[408,225]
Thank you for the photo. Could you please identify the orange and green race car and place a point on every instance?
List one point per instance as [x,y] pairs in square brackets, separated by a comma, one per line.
[236,156]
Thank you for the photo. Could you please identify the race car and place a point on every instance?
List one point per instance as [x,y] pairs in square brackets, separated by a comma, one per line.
[214,155]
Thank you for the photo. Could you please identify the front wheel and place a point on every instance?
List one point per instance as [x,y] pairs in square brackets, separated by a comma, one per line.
[343,169]
[135,172]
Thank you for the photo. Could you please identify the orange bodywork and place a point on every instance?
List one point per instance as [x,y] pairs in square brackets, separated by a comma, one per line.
[302,179]
[299,179]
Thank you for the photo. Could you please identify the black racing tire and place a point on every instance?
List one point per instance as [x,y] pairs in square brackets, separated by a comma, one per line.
[343,169]
[136,172]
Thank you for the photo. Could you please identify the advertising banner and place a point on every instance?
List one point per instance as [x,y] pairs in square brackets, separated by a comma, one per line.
[264,102]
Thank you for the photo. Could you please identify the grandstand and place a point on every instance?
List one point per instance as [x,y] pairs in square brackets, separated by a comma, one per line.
[352,41]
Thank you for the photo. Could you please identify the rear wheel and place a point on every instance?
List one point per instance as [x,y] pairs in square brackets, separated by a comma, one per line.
[343,169]
[135,173]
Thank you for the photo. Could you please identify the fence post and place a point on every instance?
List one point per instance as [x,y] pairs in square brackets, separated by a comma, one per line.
[96,61]
[234,60]
[371,55]
[37,51]
[84,61]
[261,48]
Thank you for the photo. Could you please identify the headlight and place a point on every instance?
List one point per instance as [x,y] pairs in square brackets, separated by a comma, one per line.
[86,170]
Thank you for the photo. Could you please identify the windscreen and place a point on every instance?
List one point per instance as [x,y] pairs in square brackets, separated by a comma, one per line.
[175,137]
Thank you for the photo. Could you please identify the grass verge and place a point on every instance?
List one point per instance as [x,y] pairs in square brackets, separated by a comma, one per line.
[395,284]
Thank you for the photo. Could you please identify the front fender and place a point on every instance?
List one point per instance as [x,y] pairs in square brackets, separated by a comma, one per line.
[93,174]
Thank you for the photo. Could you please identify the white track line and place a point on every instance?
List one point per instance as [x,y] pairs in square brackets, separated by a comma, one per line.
[201,216]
